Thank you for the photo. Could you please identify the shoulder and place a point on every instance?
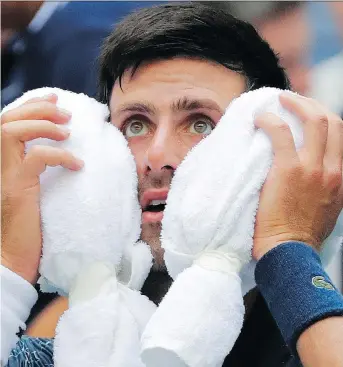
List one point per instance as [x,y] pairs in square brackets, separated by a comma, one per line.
[32,352]
[84,22]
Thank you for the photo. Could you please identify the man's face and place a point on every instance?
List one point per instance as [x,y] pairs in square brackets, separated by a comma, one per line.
[164,110]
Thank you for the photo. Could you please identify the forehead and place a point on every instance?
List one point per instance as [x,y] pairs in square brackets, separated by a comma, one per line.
[163,82]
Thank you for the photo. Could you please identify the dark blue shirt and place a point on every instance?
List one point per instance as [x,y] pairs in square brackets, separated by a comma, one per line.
[64,52]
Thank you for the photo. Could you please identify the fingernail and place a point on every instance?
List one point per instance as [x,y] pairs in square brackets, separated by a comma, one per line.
[79,162]
[64,112]
[65,130]
[48,96]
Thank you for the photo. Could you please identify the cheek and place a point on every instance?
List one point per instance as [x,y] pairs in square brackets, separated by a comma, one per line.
[188,141]
[138,149]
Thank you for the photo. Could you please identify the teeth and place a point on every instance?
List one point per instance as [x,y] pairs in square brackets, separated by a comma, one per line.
[157,202]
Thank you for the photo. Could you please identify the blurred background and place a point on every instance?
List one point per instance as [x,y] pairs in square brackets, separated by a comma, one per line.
[57,44]
[308,37]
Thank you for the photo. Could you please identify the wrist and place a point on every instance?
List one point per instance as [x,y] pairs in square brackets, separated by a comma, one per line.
[296,288]
[263,245]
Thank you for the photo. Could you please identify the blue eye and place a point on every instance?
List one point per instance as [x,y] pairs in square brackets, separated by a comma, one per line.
[201,127]
[135,128]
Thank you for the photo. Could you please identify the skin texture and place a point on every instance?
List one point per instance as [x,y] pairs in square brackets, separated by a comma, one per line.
[169,136]
[300,200]
[321,344]
[21,250]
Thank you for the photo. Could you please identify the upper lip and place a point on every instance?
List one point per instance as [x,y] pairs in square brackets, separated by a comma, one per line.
[153,194]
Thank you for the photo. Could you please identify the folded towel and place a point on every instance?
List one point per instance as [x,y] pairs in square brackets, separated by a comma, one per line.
[104,323]
[91,223]
[90,227]
[207,235]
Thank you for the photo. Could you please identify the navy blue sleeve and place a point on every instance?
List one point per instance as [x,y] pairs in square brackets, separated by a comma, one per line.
[32,352]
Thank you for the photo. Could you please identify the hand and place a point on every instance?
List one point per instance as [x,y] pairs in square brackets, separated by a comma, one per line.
[20,217]
[303,194]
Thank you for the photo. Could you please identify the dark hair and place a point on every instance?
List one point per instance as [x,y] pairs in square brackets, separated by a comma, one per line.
[190,30]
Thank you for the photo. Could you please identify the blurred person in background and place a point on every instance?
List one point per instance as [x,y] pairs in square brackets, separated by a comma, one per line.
[327,87]
[54,44]
[327,76]
[286,27]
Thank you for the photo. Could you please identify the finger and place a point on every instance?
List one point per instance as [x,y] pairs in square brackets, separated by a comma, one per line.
[315,125]
[39,157]
[43,110]
[334,146]
[280,135]
[24,131]
[52,98]
[333,159]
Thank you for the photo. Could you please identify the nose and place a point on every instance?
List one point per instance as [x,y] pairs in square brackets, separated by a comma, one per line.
[162,151]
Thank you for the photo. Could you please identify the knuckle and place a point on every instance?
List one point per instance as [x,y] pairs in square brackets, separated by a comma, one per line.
[283,128]
[48,124]
[295,168]
[65,155]
[44,127]
[4,118]
[42,110]
[49,109]
[260,118]
[36,150]
[334,178]
[45,106]
[5,130]
[316,173]
[321,118]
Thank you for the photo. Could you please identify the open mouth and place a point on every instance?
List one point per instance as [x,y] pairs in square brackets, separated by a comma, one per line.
[153,203]
[155,206]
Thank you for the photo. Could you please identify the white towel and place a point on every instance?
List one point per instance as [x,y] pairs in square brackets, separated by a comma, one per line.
[90,227]
[207,235]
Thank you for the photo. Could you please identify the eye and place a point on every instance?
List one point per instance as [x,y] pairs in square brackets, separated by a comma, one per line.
[201,126]
[135,128]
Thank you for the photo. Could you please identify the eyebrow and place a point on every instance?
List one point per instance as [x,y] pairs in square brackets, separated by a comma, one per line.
[140,107]
[189,104]
[182,104]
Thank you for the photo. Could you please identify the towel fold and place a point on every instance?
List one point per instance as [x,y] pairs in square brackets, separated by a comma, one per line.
[103,324]
[207,235]
[90,227]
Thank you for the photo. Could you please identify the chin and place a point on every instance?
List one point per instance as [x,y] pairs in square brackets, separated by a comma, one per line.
[150,234]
